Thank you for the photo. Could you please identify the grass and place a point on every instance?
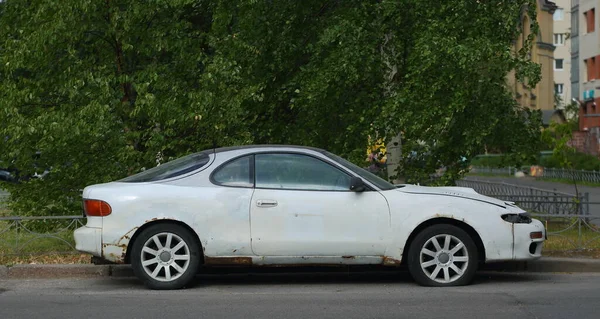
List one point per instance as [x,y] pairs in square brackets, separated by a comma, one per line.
[19,246]
[568,181]
[566,240]
[65,258]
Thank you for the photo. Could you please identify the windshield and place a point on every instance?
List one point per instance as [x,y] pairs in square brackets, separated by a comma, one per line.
[170,169]
[372,178]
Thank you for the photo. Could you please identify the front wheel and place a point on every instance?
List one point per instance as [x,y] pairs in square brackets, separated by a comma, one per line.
[165,256]
[443,255]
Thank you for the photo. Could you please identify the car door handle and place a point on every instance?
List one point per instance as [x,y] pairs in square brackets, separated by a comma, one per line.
[266,203]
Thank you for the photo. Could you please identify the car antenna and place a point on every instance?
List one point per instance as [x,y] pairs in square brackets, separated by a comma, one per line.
[214,148]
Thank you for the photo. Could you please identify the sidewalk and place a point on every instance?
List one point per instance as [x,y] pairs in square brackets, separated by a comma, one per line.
[545,264]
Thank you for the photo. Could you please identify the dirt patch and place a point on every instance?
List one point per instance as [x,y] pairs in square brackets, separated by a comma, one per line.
[45,259]
[583,253]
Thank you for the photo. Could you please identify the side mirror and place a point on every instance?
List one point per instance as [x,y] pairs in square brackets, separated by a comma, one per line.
[357,184]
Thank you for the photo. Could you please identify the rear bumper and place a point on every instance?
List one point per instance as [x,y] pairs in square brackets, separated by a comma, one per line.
[89,240]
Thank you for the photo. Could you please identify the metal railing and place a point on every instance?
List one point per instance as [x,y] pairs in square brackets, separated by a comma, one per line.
[532,199]
[573,232]
[571,174]
[18,237]
[558,173]
[567,218]
[3,200]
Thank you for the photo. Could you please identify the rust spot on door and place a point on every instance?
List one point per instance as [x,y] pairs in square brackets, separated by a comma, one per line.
[228,261]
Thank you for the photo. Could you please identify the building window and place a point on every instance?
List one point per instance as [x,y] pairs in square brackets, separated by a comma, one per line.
[590,68]
[590,18]
[558,64]
[585,71]
[559,88]
[559,14]
[559,39]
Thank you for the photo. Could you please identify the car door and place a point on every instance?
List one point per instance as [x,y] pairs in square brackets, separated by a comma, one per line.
[302,206]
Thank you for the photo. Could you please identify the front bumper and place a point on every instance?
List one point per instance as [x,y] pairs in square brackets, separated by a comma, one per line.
[524,247]
[89,240]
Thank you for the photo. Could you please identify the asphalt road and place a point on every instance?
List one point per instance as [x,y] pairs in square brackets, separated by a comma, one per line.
[305,295]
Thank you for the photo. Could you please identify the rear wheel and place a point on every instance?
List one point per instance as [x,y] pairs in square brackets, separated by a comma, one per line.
[443,255]
[165,256]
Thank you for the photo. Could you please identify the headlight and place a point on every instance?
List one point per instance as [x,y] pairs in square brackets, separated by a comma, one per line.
[522,218]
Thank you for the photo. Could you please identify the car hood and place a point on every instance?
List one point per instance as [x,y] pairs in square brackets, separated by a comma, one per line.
[460,192]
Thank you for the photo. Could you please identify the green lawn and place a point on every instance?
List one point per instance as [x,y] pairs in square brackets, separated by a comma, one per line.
[567,234]
[18,245]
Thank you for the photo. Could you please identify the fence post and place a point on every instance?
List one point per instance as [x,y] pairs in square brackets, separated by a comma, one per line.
[18,227]
[586,197]
[554,200]
[531,200]
[579,239]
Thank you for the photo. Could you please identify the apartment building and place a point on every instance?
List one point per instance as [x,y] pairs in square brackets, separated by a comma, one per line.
[585,73]
[562,53]
[540,97]
[585,78]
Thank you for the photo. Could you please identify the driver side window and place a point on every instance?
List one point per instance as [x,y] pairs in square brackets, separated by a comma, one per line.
[298,172]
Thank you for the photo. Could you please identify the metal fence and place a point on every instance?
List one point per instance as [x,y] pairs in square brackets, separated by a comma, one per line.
[566,216]
[533,199]
[18,237]
[571,174]
[558,173]
[3,200]
[577,232]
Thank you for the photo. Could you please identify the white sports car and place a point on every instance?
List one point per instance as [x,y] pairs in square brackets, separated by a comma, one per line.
[290,205]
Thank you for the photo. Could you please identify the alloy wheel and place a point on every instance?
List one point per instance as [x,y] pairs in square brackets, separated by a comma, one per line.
[444,258]
[165,257]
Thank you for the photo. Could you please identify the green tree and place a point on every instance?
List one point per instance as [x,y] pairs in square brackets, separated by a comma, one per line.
[99,88]
[451,98]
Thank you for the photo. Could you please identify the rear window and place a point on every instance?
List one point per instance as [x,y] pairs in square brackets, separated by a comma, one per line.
[170,169]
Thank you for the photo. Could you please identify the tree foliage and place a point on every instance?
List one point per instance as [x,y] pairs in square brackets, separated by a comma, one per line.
[98,88]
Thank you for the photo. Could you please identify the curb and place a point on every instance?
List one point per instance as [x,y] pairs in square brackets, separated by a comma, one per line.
[543,265]
[547,264]
[564,265]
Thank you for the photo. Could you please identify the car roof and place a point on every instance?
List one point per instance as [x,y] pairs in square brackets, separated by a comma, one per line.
[257,146]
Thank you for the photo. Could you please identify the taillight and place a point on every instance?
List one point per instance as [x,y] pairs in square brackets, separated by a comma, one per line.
[94,207]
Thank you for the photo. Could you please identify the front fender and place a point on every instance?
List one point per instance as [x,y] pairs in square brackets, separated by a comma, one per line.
[409,211]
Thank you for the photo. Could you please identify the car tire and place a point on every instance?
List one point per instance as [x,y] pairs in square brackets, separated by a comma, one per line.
[165,256]
[443,255]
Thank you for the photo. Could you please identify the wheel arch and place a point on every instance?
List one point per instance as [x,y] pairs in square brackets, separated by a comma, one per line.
[162,221]
[449,221]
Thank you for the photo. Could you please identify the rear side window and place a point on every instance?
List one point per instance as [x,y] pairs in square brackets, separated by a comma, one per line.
[178,167]
[235,173]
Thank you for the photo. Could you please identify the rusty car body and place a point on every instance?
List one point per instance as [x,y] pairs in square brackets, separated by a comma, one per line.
[290,205]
